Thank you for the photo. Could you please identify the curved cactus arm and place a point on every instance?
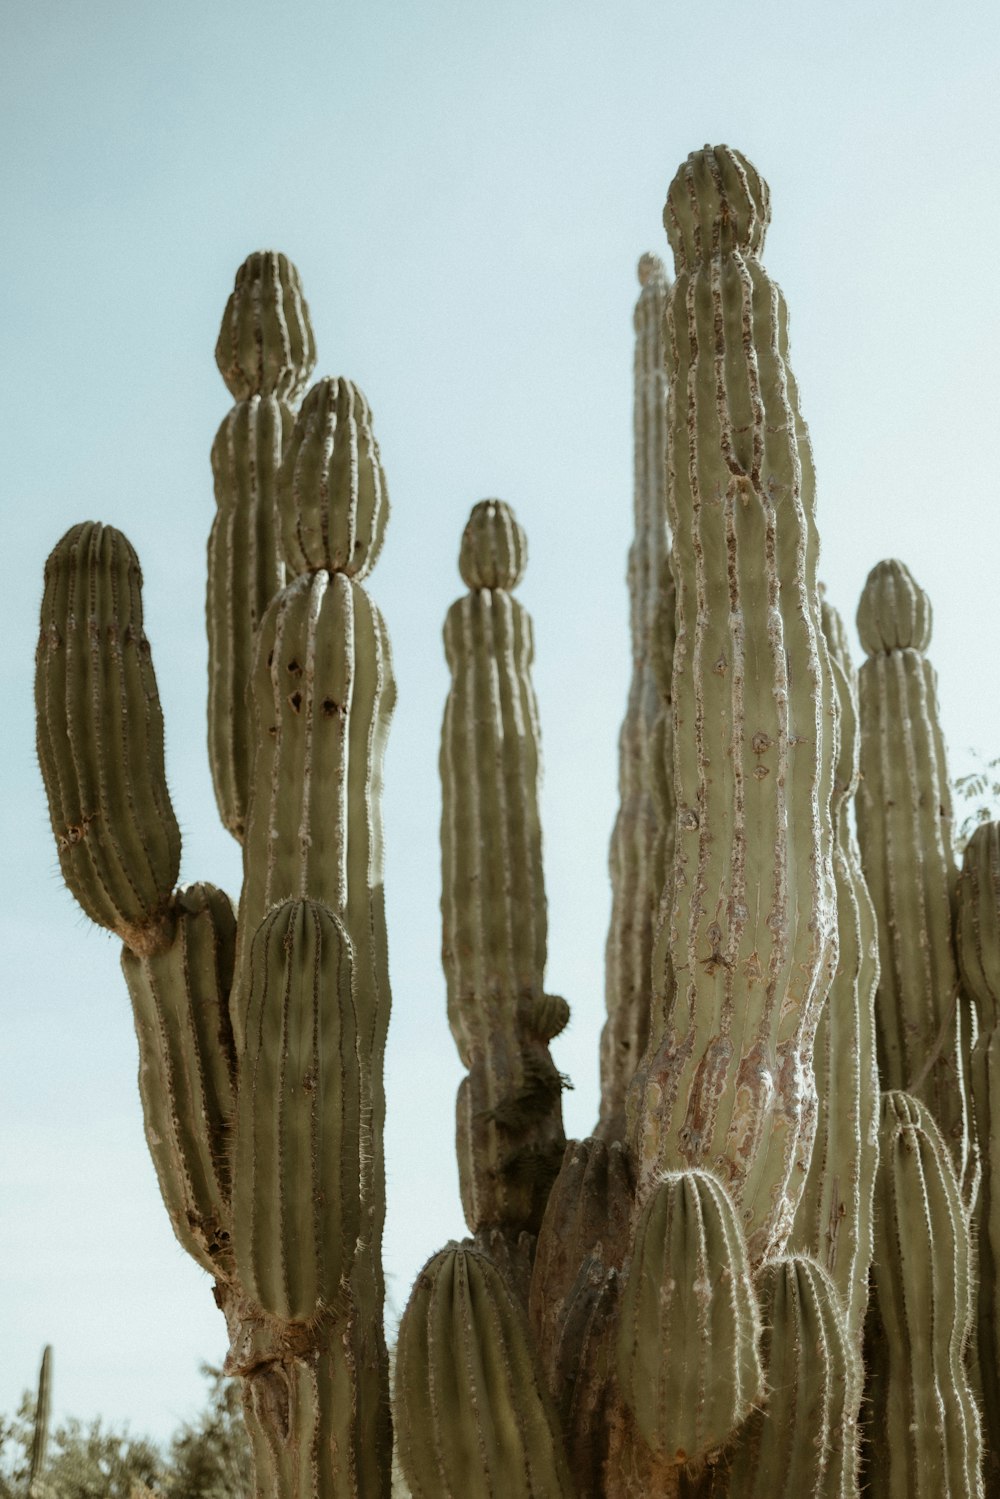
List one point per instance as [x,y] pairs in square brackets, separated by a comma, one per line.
[833,1221]
[509,1136]
[472,1415]
[802,1443]
[688,1357]
[751,946]
[265,354]
[978,934]
[905,834]
[187,1068]
[100,738]
[925,1427]
[636,857]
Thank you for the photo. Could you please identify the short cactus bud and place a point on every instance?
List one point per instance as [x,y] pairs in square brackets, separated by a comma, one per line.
[472,1416]
[100,738]
[187,1067]
[688,1361]
[297,1177]
[334,503]
[803,1442]
[494,550]
[894,613]
[266,345]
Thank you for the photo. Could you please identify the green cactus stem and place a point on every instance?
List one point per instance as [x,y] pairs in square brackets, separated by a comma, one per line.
[265,347]
[751,943]
[978,934]
[637,840]
[802,1442]
[335,503]
[905,834]
[575,1287]
[187,1068]
[510,1136]
[100,738]
[473,1418]
[833,1221]
[40,1427]
[924,1437]
[688,1359]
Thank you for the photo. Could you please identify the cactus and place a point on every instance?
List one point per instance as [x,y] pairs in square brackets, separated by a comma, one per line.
[40,1428]
[833,1221]
[904,830]
[925,1433]
[510,1136]
[265,354]
[751,941]
[637,843]
[604,1333]
[978,934]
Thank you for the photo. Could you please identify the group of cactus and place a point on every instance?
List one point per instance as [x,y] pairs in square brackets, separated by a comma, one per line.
[772,1270]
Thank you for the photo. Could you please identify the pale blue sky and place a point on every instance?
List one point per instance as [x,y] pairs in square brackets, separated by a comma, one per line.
[466,190]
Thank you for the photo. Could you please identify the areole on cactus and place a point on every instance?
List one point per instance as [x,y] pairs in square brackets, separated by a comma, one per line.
[677,1305]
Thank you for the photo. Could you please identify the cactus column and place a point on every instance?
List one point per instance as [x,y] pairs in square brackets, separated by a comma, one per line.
[637,843]
[510,1138]
[752,927]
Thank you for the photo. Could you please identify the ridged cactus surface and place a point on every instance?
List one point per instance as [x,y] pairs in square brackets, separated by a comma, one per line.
[978,931]
[925,1440]
[100,738]
[265,354]
[688,1357]
[636,860]
[802,1441]
[905,833]
[751,944]
[473,1418]
[187,1068]
[833,1221]
[494,920]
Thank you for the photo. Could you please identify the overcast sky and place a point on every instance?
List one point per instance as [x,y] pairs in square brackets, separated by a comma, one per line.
[466,190]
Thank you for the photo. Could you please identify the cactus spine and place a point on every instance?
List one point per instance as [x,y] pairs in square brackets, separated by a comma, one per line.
[834,1216]
[904,829]
[265,354]
[510,1138]
[925,1434]
[637,842]
[978,933]
[752,935]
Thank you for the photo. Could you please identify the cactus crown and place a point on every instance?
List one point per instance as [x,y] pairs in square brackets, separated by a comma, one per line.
[717,202]
[494,551]
[894,613]
[651,270]
[266,345]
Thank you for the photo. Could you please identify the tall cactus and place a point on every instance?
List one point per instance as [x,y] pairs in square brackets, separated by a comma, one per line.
[834,1217]
[752,935]
[265,354]
[40,1427]
[905,833]
[510,1137]
[637,842]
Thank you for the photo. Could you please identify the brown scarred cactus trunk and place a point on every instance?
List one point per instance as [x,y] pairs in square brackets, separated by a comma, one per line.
[752,930]
[637,843]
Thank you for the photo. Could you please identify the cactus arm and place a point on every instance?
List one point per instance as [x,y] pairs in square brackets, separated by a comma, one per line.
[509,1134]
[637,839]
[100,738]
[752,939]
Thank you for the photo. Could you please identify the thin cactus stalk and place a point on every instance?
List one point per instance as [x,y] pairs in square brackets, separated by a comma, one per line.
[978,934]
[833,1221]
[510,1136]
[924,1437]
[636,861]
[265,354]
[40,1427]
[905,834]
[752,929]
